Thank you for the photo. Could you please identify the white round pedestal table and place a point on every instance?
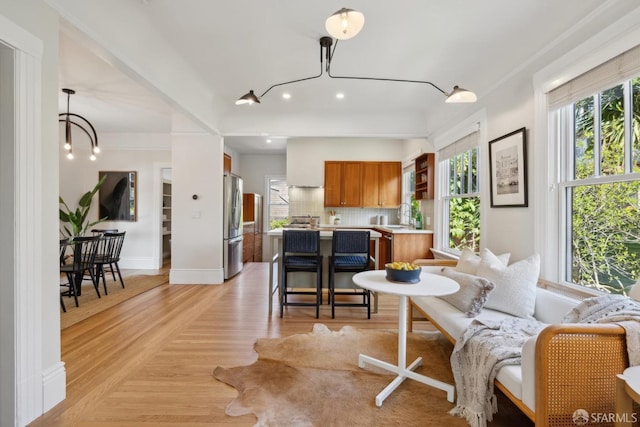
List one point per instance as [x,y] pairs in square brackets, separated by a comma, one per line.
[429,285]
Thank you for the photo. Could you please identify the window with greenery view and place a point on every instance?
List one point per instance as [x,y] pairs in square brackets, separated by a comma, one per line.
[278,202]
[600,187]
[462,201]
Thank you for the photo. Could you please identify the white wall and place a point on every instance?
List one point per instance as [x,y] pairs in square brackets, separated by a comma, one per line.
[80,175]
[44,359]
[255,167]
[196,249]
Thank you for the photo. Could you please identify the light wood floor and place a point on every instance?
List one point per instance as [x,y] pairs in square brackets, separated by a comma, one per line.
[149,360]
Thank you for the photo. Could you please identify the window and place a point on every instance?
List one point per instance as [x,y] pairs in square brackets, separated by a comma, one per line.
[458,164]
[599,186]
[408,190]
[278,202]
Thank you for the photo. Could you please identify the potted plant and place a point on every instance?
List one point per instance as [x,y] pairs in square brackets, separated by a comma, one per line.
[78,218]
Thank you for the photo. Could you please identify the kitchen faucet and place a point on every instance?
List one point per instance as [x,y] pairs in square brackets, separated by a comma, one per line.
[406,212]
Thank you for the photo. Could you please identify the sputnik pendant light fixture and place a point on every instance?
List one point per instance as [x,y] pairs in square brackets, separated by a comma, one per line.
[342,25]
[72,120]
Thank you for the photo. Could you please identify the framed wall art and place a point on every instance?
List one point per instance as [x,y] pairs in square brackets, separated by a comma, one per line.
[117,196]
[508,170]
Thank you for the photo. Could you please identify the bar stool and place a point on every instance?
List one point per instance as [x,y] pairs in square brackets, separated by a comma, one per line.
[349,254]
[301,253]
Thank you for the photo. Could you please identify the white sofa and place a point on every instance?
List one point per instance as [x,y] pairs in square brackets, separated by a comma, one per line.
[558,373]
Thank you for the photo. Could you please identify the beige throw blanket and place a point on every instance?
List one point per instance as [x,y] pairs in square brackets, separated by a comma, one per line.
[612,309]
[477,357]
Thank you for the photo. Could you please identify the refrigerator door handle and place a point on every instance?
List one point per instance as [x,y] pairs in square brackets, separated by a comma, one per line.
[236,239]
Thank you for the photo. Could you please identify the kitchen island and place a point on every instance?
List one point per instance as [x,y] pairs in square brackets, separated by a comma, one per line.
[326,237]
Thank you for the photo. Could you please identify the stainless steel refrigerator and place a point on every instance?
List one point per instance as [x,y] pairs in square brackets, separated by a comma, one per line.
[232,222]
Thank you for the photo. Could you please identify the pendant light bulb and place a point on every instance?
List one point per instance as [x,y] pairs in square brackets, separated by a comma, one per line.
[344,24]
[70,156]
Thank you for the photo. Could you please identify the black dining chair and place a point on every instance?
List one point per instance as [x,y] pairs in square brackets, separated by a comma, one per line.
[81,262]
[301,253]
[107,261]
[350,253]
[101,231]
[68,292]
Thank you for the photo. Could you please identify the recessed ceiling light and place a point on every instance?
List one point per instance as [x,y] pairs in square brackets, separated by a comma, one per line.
[286,95]
[340,95]
[268,141]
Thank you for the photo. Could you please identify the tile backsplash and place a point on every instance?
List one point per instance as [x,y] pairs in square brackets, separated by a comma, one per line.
[310,201]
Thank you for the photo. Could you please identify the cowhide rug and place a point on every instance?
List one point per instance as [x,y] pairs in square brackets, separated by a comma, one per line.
[313,379]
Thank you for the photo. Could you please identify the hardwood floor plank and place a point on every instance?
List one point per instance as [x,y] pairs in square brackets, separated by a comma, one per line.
[149,360]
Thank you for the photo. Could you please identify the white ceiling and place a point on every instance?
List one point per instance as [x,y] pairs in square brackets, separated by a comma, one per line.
[234,46]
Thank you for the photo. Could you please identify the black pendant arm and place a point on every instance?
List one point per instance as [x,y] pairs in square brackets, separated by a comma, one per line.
[330,58]
[386,80]
[298,80]
[292,81]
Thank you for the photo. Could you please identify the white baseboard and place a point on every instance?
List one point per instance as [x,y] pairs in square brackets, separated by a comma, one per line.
[137,263]
[184,276]
[54,386]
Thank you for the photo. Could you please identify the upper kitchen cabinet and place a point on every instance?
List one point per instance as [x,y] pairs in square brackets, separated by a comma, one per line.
[425,165]
[381,184]
[342,184]
[226,164]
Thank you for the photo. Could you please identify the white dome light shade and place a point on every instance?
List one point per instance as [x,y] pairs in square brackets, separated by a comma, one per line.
[344,24]
[460,95]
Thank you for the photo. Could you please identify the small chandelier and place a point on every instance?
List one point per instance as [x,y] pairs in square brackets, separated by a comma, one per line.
[70,119]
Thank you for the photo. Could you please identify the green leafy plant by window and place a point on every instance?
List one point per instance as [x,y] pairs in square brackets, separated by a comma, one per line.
[77,218]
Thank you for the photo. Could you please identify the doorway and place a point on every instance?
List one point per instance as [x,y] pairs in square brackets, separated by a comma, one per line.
[165,240]
[7,293]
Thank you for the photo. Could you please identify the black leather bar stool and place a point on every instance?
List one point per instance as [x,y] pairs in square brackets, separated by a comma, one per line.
[301,253]
[349,254]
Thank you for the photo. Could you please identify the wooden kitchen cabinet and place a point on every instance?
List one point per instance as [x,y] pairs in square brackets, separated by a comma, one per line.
[381,184]
[404,247]
[226,164]
[252,215]
[248,241]
[407,247]
[342,184]
[425,167]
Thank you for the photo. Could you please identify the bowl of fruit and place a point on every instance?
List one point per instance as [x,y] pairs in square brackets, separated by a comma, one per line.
[403,272]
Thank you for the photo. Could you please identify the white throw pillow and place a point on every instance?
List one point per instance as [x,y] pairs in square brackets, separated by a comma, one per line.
[515,291]
[635,291]
[472,294]
[468,262]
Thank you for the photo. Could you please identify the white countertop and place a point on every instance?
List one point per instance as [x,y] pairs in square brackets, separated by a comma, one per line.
[325,230]
[394,229]
[403,230]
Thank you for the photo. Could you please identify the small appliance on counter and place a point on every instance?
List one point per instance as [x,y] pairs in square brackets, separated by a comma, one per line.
[302,221]
[381,220]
